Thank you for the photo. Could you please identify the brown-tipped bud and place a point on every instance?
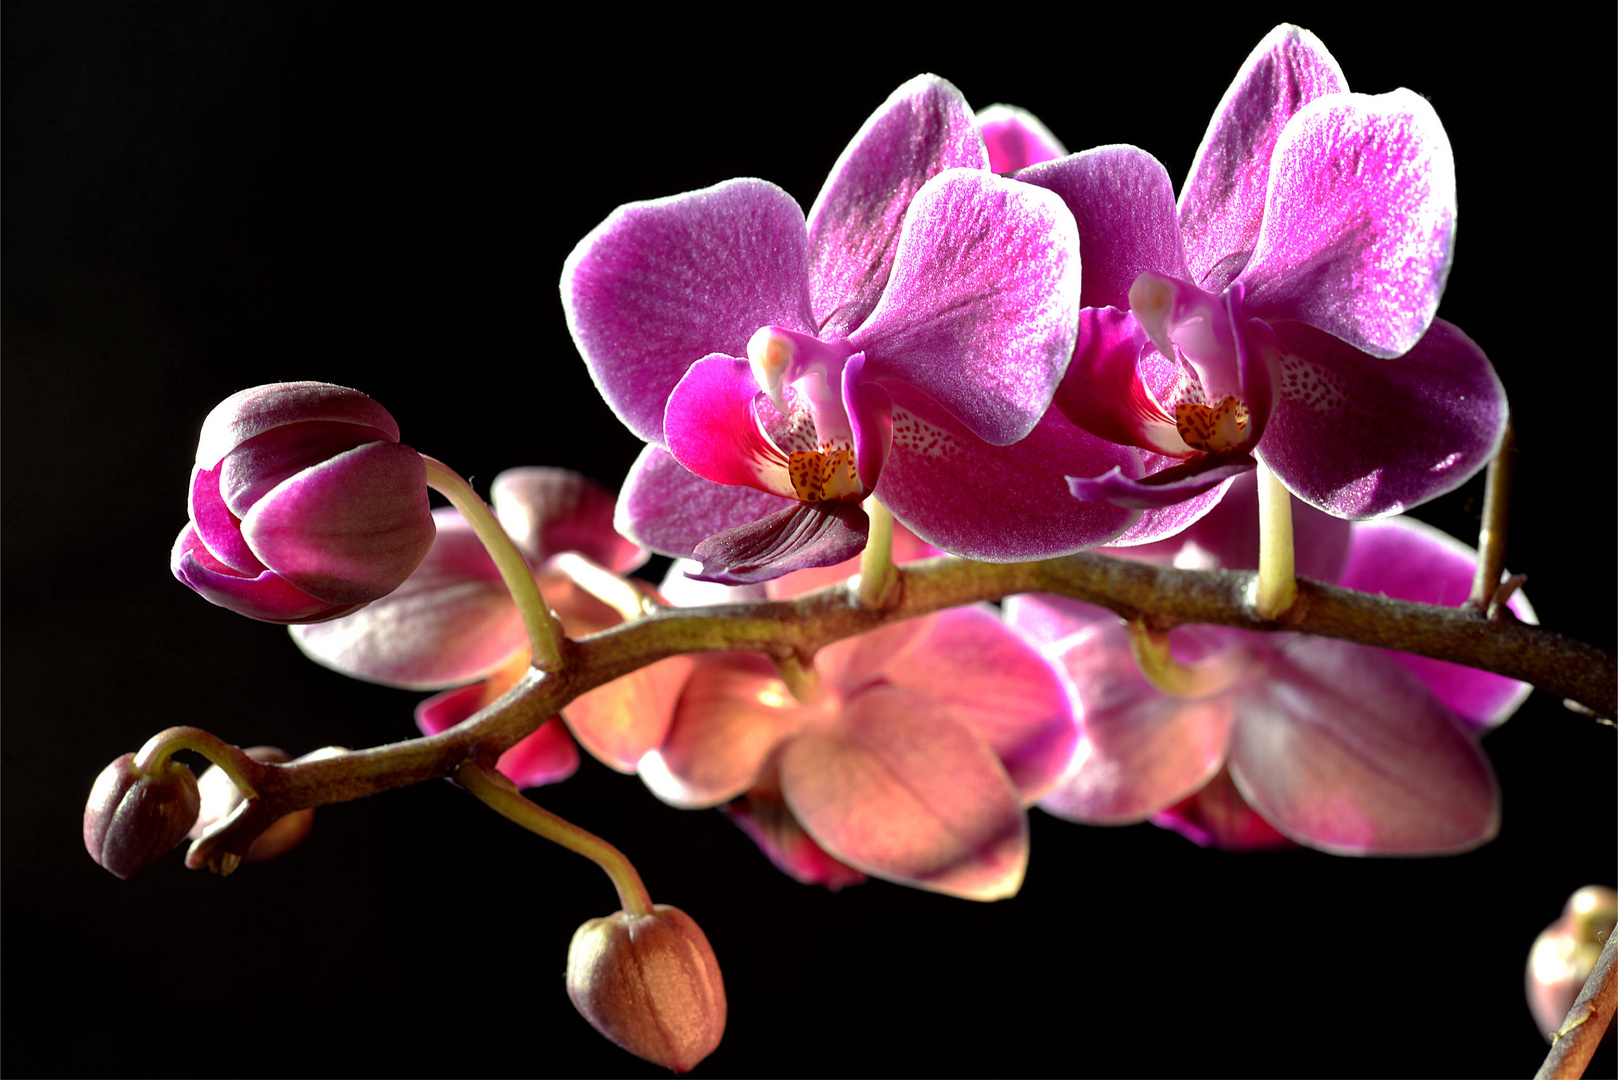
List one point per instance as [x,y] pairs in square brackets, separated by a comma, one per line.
[651,984]
[1565,954]
[133,818]
[221,797]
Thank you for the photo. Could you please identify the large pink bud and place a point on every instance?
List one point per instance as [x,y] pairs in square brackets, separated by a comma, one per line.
[133,818]
[651,984]
[304,505]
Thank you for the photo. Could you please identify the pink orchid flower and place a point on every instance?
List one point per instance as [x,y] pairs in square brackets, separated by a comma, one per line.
[453,624]
[915,763]
[1284,309]
[1336,746]
[904,339]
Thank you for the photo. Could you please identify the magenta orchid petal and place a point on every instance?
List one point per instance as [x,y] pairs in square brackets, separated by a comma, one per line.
[1222,203]
[763,815]
[546,511]
[1344,750]
[1164,488]
[997,503]
[711,428]
[870,414]
[1359,221]
[1218,816]
[801,536]
[450,622]
[998,687]
[668,508]
[1157,522]
[1122,200]
[731,716]
[1408,560]
[256,467]
[902,791]
[218,528]
[1361,437]
[661,284]
[349,529]
[265,596]
[250,413]
[981,309]
[1016,139]
[923,128]
[1103,391]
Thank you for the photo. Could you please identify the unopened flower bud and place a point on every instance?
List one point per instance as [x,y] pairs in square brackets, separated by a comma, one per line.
[304,505]
[221,797]
[1565,954]
[133,818]
[651,984]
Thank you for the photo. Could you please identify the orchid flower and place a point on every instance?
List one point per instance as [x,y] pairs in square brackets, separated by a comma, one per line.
[903,340]
[453,624]
[914,758]
[1284,309]
[1276,737]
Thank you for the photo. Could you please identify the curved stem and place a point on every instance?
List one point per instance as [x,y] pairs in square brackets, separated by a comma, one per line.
[243,771]
[877,576]
[502,796]
[1277,587]
[543,632]
[1492,535]
[1151,652]
[603,584]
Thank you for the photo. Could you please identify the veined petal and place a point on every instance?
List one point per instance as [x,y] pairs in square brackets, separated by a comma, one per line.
[997,503]
[998,686]
[1409,560]
[1361,437]
[900,789]
[981,310]
[732,714]
[712,429]
[801,536]
[1122,199]
[350,529]
[661,284]
[1163,488]
[450,622]
[670,509]
[623,720]
[923,128]
[1344,750]
[547,511]
[1222,203]
[1359,221]
[1161,524]
[1016,139]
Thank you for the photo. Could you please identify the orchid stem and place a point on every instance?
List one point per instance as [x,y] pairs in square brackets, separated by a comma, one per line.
[1492,534]
[877,575]
[1575,1042]
[502,796]
[544,635]
[232,761]
[1190,681]
[1277,585]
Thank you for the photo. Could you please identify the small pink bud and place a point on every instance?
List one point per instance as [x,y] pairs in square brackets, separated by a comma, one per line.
[651,984]
[1565,954]
[133,818]
[221,797]
[304,505]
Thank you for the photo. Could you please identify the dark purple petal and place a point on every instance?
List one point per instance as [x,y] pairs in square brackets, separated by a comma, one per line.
[901,790]
[1123,202]
[661,284]
[1163,524]
[1360,437]
[547,511]
[1163,488]
[711,429]
[349,530]
[1016,139]
[1222,203]
[796,538]
[997,503]
[763,815]
[248,413]
[1359,221]
[1344,750]
[670,509]
[257,466]
[1103,391]
[981,310]
[922,129]
[1405,559]
[264,596]
[450,622]
[1218,816]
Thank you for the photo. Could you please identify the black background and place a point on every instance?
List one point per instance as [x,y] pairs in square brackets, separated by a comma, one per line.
[204,197]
